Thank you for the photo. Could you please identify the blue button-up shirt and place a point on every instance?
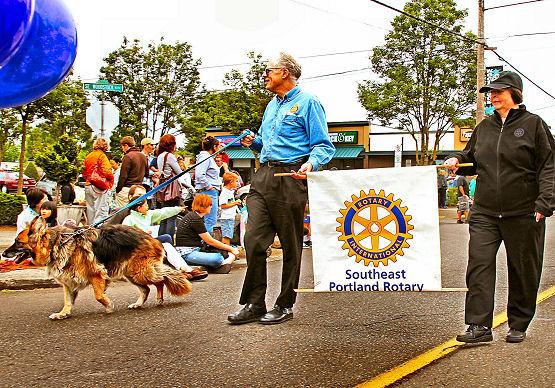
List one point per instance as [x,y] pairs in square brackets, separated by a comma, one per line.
[207,173]
[294,128]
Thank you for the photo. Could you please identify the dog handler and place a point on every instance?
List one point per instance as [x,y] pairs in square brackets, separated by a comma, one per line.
[293,137]
[512,152]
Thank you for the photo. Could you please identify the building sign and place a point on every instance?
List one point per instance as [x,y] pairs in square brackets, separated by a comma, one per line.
[398,155]
[225,140]
[466,133]
[348,137]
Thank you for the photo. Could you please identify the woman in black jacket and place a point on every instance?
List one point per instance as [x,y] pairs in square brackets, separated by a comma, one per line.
[512,152]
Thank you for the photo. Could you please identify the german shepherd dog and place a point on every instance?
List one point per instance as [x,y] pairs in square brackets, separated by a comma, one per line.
[77,257]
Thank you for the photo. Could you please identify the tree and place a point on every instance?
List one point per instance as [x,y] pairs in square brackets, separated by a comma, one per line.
[9,130]
[60,161]
[63,111]
[239,107]
[428,75]
[27,113]
[162,84]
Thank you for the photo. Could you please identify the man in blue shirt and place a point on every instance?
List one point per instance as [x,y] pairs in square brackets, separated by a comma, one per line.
[293,137]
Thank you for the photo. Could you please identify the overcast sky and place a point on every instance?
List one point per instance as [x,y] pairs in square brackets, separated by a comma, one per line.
[221,32]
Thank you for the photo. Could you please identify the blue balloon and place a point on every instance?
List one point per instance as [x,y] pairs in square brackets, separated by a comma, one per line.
[15,19]
[44,56]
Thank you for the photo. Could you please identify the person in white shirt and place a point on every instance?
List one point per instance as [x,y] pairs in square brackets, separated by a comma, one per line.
[228,206]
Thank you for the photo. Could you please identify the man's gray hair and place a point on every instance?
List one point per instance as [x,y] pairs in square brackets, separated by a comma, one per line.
[290,63]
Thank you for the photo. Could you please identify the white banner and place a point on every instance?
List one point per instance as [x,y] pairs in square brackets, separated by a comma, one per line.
[375,229]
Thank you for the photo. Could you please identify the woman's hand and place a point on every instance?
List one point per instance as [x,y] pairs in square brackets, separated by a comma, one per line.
[538,216]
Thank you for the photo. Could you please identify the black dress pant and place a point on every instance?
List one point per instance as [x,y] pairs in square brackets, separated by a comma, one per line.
[276,206]
[524,243]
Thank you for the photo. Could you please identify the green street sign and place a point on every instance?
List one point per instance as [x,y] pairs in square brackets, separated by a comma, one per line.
[103,85]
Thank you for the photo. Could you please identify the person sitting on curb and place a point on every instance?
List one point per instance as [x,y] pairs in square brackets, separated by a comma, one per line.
[35,198]
[197,246]
[134,191]
[142,218]
[49,212]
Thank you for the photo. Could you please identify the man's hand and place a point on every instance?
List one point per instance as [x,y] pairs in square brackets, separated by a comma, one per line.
[301,174]
[247,140]
[452,163]
[538,216]
[235,251]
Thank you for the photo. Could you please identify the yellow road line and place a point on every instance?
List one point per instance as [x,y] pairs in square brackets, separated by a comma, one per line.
[419,362]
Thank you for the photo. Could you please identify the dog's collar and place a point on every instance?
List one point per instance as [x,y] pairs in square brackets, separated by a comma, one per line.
[74,234]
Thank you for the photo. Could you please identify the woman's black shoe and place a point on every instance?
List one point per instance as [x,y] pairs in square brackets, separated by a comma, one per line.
[476,333]
[515,336]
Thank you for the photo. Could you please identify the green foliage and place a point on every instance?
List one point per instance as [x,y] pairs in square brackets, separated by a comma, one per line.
[64,112]
[452,196]
[429,76]
[162,84]
[60,161]
[11,152]
[31,171]
[10,130]
[236,109]
[11,206]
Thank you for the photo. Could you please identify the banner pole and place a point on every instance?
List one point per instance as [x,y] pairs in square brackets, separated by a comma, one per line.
[311,290]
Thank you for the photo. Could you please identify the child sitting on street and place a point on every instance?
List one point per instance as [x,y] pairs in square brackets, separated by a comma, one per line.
[49,212]
[228,204]
[142,218]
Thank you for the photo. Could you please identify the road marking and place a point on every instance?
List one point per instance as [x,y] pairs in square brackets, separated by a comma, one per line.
[426,358]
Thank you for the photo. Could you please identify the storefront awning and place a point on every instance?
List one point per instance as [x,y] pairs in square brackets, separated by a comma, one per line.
[347,152]
[239,153]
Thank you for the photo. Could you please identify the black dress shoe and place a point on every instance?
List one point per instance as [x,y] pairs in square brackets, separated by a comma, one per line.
[515,336]
[249,313]
[476,333]
[277,315]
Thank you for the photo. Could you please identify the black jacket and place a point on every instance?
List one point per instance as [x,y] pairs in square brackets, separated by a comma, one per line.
[515,165]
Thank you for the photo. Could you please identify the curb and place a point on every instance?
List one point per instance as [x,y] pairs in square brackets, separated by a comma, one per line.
[27,284]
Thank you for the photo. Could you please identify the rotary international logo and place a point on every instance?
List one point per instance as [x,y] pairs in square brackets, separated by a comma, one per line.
[374,228]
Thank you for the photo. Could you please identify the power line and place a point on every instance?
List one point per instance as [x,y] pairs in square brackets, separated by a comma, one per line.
[522,74]
[513,4]
[465,38]
[337,14]
[334,74]
[302,57]
[520,35]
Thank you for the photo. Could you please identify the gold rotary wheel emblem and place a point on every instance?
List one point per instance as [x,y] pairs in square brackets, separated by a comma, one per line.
[374,228]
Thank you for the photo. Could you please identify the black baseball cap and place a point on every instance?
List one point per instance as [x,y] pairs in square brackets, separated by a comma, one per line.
[506,79]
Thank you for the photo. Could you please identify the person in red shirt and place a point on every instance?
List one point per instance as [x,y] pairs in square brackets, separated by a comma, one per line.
[97,199]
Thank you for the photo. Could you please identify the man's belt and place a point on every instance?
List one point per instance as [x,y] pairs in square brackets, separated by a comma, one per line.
[273,163]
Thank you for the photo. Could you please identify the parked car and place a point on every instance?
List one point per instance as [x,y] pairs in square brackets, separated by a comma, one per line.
[47,185]
[9,179]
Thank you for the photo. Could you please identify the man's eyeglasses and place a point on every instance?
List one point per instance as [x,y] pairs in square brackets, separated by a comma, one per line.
[269,69]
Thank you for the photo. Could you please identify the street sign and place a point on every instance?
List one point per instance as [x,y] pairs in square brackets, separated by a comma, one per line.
[398,155]
[103,86]
[102,117]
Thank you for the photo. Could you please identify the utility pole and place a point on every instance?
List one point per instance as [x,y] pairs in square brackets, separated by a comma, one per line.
[480,67]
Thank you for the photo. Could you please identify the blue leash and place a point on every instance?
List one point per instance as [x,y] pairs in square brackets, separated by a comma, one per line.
[168,182]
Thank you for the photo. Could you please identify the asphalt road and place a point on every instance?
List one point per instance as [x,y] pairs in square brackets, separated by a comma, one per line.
[335,340]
